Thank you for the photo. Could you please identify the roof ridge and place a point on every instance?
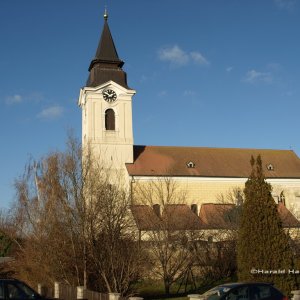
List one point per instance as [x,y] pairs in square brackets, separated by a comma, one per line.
[214,148]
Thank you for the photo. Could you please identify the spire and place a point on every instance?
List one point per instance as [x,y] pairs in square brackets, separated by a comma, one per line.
[106,65]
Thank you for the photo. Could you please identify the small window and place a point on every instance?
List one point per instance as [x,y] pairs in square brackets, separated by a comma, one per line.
[191,164]
[270,167]
[110,119]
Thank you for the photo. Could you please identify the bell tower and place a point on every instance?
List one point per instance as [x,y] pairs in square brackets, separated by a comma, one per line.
[106,103]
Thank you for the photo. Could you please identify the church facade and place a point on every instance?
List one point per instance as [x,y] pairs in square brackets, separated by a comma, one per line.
[204,173]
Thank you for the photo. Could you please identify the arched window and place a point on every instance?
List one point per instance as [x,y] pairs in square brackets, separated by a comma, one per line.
[110,119]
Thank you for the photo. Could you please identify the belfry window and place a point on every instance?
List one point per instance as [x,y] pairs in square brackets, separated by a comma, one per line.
[110,119]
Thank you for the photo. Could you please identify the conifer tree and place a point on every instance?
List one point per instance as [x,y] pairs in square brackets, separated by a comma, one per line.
[262,243]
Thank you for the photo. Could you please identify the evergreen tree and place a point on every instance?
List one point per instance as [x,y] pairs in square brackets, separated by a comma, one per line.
[262,243]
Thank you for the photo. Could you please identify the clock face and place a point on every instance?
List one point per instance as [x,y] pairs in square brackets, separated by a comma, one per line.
[109,95]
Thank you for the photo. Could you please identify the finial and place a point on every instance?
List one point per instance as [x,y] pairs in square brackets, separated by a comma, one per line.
[105,14]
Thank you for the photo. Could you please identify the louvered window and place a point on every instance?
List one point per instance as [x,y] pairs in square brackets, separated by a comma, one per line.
[110,119]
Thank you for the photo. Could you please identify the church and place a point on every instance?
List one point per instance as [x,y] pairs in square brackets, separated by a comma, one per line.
[205,173]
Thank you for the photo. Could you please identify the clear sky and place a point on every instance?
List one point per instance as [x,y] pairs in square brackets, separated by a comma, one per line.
[214,73]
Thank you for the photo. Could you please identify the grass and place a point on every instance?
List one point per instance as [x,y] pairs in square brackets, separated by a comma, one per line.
[154,289]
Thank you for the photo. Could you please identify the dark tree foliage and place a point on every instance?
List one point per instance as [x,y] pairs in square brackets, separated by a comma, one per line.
[5,249]
[263,246]
[5,244]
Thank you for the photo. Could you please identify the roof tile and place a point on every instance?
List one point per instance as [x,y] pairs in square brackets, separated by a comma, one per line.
[211,162]
[211,216]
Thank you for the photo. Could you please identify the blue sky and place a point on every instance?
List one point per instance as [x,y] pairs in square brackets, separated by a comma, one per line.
[215,73]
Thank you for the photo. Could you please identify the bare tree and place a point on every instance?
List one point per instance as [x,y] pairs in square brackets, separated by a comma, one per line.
[49,220]
[171,226]
[112,247]
[72,218]
[215,256]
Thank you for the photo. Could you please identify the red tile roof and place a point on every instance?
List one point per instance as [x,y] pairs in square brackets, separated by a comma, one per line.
[210,162]
[174,216]
[180,217]
[145,217]
[219,216]
[211,216]
[287,218]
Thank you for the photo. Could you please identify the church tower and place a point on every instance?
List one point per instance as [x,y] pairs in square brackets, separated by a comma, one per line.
[106,103]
